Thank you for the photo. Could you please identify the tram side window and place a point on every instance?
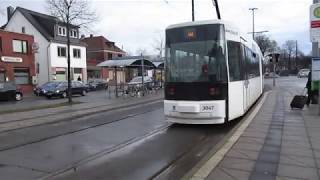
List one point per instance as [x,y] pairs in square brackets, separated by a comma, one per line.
[234,57]
[252,63]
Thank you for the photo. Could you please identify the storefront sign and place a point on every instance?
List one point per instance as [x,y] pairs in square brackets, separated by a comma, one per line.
[11,59]
[315,22]
[315,69]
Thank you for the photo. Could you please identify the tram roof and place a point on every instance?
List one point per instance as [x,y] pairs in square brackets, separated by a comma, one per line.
[197,23]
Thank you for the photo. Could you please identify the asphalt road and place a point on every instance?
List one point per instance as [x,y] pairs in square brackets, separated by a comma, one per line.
[131,143]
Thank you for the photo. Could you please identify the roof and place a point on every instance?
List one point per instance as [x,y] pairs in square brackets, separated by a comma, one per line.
[101,43]
[126,62]
[159,64]
[42,22]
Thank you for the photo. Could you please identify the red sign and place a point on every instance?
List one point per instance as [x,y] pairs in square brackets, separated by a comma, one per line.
[315,24]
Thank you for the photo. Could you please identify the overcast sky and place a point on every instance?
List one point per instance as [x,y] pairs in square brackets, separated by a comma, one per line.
[134,24]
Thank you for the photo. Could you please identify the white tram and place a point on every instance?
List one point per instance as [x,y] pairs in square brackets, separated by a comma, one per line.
[213,73]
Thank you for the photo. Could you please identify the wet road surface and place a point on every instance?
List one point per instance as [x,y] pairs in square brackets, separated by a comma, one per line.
[131,143]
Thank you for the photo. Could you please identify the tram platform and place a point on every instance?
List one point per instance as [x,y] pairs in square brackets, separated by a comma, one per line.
[279,143]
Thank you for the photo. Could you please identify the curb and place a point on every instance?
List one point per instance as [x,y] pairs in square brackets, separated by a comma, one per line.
[202,170]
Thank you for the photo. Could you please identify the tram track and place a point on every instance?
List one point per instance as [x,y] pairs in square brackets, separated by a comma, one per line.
[73,166]
[7,126]
[78,121]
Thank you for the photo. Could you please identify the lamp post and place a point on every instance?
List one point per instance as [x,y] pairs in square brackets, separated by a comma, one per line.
[253,9]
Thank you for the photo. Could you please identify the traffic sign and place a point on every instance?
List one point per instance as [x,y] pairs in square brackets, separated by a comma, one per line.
[315,22]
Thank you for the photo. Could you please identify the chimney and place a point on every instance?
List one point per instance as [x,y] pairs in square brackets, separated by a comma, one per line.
[10,11]
[91,35]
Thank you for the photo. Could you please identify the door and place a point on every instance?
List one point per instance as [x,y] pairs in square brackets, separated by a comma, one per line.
[246,82]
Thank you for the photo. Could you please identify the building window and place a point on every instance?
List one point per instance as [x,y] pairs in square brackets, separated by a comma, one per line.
[119,55]
[76,53]
[61,31]
[77,71]
[21,76]
[109,55]
[19,46]
[73,33]
[23,29]
[62,51]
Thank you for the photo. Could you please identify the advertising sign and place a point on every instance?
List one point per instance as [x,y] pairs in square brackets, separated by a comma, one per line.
[11,59]
[315,73]
[315,22]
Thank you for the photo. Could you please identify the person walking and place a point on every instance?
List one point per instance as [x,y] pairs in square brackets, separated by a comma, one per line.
[79,78]
[308,86]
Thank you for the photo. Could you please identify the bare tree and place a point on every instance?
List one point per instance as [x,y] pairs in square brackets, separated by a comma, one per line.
[158,45]
[71,12]
[266,45]
[289,48]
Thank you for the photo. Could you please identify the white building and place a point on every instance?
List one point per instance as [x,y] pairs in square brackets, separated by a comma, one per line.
[51,44]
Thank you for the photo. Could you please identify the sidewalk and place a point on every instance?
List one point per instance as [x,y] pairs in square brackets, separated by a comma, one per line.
[279,143]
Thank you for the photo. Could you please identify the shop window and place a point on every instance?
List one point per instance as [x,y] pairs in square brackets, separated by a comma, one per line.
[2,77]
[76,53]
[0,44]
[21,76]
[19,46]
[119,55]
[62,51]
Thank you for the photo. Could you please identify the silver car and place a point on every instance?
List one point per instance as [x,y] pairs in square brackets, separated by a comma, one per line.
[303,73]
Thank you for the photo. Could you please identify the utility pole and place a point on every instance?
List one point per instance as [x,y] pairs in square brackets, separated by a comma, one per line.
[315,53]
[253,9]
[215,3]
[192,9]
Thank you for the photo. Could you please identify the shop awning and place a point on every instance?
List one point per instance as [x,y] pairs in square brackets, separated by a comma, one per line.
[126,62]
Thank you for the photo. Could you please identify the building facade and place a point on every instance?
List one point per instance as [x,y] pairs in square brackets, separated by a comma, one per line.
[17,60]
[50,45]
[100,49]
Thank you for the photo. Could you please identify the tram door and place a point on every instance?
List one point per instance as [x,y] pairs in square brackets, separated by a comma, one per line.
[246,82]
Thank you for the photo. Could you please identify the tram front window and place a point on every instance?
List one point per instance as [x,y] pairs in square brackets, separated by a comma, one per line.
[199,58]
[196,62]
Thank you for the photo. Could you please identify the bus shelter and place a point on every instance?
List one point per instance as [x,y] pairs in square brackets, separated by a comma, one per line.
[139,63]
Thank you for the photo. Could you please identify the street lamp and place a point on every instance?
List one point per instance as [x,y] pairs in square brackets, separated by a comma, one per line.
[253,9]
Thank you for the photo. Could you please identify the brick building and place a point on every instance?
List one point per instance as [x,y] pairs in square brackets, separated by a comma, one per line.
[100,49]
[17,59]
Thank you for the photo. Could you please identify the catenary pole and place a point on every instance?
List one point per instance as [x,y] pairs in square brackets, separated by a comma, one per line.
[253,9]
[192,3]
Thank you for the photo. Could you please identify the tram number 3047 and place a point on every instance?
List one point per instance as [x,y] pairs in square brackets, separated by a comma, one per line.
[207,108]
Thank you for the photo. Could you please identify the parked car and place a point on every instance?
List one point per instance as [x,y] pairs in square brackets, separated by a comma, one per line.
[42,90]
[9,91]
[137,81]
[60,89]
[97,84]
[303,73]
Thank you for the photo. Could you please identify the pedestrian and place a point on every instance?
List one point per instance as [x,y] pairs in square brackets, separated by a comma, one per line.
[308,86]
[79,78]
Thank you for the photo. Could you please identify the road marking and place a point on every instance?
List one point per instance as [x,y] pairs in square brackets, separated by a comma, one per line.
[204,171]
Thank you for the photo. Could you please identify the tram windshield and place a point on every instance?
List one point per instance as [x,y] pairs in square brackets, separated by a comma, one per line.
[196,54]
